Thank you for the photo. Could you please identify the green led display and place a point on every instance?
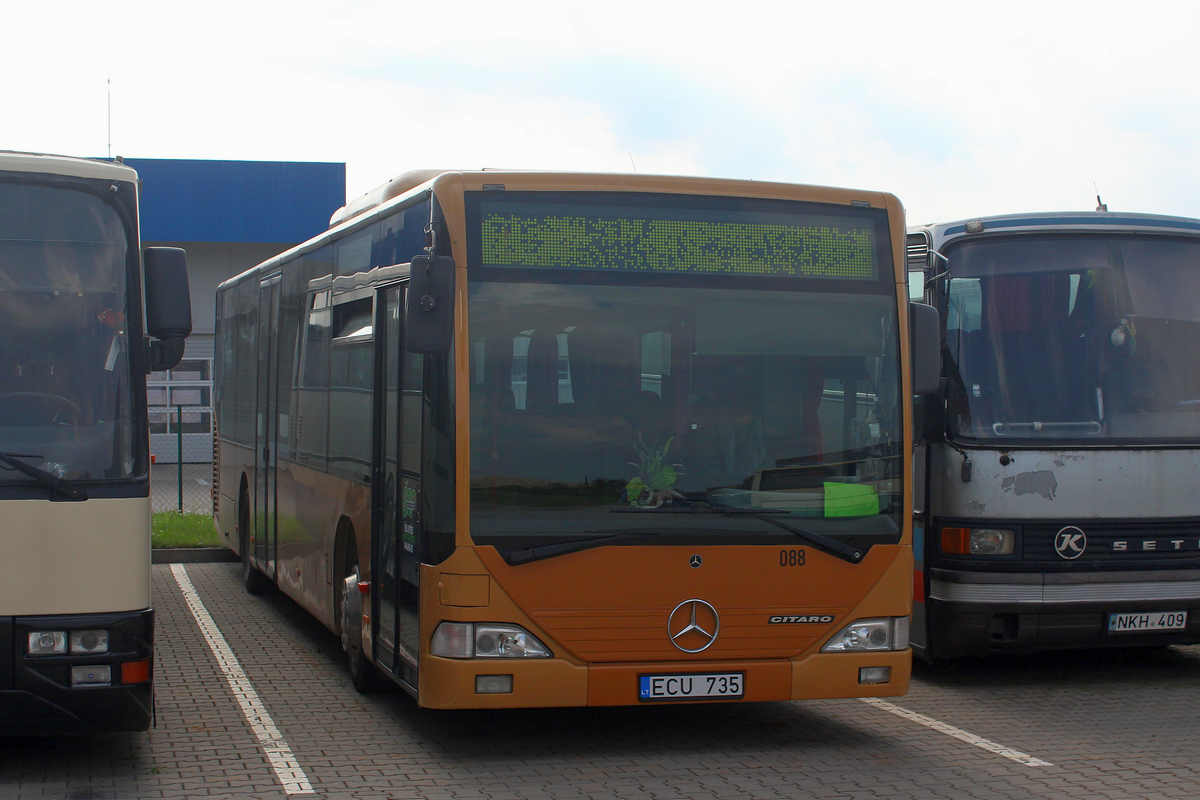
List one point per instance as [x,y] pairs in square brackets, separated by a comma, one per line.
[814,247]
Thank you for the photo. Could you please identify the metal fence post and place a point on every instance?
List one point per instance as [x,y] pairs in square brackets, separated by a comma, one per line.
[179,451]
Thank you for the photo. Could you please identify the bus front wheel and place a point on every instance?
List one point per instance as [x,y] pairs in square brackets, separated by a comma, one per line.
[363,674]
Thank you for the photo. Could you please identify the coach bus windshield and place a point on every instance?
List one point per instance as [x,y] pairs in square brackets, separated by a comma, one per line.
[1080,338]
[64,371]
[681,401]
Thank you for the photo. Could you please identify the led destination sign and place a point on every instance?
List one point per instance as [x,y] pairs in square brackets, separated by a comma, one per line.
[675,240]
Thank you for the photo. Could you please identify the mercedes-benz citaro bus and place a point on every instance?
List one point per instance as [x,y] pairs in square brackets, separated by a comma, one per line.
[537,439]
[76,622]
[1057,503]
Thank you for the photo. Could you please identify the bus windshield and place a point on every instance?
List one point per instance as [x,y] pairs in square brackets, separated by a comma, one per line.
[65,384]
[681,406]
[1080,338]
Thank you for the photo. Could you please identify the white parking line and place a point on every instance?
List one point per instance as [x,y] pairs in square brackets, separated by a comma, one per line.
[958,733]
[287,769]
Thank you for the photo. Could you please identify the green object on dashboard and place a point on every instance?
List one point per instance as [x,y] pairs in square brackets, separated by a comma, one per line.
[850,500]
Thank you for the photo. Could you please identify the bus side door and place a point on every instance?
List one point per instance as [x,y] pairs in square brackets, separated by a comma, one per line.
[396,482]
[266,425]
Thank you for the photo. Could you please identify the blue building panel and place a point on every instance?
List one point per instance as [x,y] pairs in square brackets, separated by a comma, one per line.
[237,201]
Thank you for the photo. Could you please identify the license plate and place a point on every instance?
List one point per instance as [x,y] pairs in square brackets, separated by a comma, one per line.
[691,685]
[1154,621]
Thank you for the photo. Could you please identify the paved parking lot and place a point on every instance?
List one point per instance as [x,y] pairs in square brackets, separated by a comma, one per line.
[271,714]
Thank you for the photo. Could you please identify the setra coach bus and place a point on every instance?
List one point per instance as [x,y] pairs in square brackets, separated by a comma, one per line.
[1057,502]
[535,439]
[76,622]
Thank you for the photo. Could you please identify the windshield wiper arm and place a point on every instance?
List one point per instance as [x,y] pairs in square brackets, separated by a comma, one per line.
[820,541]
[46,478]
[698,507]
[825,544]
[524,555]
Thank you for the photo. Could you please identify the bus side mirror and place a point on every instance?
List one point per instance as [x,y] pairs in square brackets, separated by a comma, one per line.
[429,307]
[924,339]
[168,305]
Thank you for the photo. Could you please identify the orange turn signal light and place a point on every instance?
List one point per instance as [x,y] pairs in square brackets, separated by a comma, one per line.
[956,540]
[135,671]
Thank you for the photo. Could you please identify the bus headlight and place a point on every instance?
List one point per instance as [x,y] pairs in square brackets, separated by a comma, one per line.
[47,643]
[89,641]
[978,541]
[485,640]
[869,636]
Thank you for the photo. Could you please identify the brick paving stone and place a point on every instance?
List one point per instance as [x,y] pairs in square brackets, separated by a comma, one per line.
[1115,726]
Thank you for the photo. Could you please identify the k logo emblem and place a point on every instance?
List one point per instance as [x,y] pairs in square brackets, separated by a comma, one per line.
[1070,542]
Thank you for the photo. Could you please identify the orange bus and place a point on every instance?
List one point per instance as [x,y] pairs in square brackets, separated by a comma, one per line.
[537,439]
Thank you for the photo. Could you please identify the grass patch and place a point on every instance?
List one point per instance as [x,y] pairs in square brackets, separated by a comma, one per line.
[173,529]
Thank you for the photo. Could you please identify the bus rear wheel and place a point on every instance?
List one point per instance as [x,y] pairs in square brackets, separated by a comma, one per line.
[254,581]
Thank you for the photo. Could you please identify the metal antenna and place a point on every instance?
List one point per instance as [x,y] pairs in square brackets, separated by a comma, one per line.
[1099,205]
[110,116]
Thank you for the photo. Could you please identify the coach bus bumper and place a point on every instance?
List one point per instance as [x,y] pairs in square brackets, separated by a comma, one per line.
[76,692]
[976,613]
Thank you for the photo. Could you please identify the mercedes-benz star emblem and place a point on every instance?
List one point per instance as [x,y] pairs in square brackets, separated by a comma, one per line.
[695,561]
[1070,542]
[693,626]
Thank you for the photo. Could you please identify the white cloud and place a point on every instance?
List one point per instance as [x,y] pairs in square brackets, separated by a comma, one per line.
[959,110]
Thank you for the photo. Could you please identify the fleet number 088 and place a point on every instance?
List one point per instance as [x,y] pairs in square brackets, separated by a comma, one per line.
[791,558]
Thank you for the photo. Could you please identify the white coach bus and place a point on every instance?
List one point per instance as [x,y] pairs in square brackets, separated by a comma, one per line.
[1057,484]
[76,623]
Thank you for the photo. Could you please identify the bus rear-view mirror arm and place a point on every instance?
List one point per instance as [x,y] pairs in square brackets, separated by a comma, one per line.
[168,306]
[925,340]
[429,312]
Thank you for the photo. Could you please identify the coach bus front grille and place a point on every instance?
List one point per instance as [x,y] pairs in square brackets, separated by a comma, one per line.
[1167,543]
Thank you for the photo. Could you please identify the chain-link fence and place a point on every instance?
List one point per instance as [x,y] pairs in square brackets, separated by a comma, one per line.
[181,475]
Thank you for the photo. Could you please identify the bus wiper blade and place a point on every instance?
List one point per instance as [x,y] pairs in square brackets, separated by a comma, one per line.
[822,542]
[526,554]
[698,507]
[46,478]
[692,506]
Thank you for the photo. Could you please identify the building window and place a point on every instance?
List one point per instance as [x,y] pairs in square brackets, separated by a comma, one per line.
[180,399]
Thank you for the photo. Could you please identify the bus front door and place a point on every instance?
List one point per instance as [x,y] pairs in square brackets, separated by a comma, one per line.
[266,424]
[396,486]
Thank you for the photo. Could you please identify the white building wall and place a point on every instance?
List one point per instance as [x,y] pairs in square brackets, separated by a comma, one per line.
[181,399]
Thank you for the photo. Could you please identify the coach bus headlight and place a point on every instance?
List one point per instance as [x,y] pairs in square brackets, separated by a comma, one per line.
[47,643]
[89,641]
[869,636]
[978,541]
[485,640]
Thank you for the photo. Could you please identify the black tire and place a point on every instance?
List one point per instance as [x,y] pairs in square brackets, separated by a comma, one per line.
[363,675]
[254,581]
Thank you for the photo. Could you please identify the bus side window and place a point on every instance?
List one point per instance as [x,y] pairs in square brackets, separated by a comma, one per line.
[313,390]
[351,376]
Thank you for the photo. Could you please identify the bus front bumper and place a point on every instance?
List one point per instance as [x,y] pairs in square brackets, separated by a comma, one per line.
[976,613]
[559,683]
[77,693]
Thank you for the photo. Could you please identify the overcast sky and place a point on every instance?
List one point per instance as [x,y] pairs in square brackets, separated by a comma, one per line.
[959,109]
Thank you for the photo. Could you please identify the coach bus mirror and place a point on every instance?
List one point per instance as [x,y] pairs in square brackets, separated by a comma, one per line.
[923,337]
[168,305]
[932,420]
[429,311]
